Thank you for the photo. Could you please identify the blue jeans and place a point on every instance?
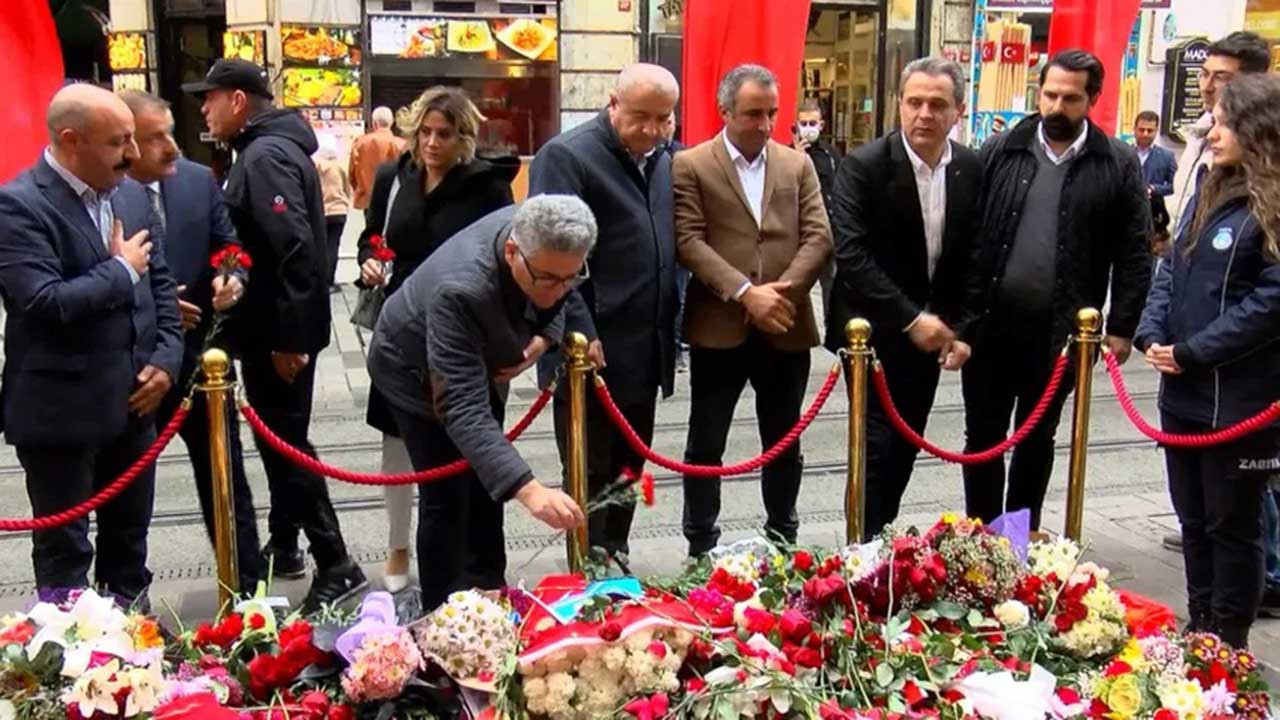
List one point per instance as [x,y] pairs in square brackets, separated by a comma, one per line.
[1271,535]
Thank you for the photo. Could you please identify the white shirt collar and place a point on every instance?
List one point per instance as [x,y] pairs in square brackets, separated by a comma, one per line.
[78,186]
[1076,146]
[919,164]
[735,154]
[154,186]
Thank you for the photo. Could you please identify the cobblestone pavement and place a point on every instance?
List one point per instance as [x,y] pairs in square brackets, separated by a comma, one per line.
[1127,509]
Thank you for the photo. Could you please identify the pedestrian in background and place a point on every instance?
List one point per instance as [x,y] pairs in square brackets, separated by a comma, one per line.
[336,190]
[370,152]
[423,198]
[274,198]
[1210,327]
[806,137]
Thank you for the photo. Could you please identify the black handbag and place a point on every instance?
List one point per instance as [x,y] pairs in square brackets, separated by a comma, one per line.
[370,301]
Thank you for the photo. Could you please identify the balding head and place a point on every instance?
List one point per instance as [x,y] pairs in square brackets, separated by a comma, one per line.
[91,131]
[641,104]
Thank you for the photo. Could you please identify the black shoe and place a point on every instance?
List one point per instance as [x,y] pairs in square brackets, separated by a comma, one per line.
[1172,541]
[1270,606]
[286,563]
[334,585]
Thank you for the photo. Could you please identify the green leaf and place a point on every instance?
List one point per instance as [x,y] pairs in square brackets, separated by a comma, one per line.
[896,704]
[725,709]
[950,610]
[975,618]
[884,675]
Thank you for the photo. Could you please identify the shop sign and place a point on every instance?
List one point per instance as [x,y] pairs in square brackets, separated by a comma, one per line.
[1183,104]
[322,65]
[410,37]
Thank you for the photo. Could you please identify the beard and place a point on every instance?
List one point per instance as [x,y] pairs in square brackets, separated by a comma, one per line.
[1060,128]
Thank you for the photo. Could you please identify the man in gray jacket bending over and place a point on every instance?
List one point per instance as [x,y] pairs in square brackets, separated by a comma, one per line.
[481,310]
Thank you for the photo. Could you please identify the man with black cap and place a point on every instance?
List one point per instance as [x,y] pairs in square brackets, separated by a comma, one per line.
[273,194]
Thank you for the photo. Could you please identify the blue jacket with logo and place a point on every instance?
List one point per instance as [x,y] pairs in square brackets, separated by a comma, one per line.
[1220,309]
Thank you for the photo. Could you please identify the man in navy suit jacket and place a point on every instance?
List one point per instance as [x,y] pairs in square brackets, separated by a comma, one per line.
[93,340]
[1158,165]
[189,203]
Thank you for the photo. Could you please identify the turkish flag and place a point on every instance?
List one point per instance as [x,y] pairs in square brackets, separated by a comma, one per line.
[33,73]
[1101,27]
[765,32]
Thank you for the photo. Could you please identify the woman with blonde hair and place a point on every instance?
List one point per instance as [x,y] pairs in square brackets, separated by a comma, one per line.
[1212,328]
[436,188]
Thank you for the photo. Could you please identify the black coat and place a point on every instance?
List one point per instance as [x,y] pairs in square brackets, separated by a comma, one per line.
[826,162]
[78,329]
[420,224]
[1220,309]
[456,322]
[630,301]
[882,270]
[1103,228]
[273,195]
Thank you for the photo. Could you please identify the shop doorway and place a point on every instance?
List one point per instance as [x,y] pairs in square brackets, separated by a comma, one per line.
[842,72]
[187,46]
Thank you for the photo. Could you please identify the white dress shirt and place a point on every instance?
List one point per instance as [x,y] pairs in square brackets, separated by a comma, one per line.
[97,204]
[1077,146]
[1143,154]
[931,185]
[751,175]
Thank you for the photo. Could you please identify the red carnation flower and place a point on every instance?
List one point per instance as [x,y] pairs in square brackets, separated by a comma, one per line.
[759,621]
[794,625]
[802,561]
[610,631]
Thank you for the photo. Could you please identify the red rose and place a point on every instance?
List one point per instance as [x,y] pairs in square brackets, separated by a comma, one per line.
[759,621]
[1098,709]
[1117,667]
[912,693]
[315,702]
[1165,714]
[794,625]
[257,622]
[916,626]
[294,630]
[341,712]
[695,685]
[802,561]
[646,489]
[808,657]
[610,631]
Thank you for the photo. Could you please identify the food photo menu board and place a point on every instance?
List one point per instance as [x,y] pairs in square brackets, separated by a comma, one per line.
[248,45]
[321,66]
[410,36]
[129,55]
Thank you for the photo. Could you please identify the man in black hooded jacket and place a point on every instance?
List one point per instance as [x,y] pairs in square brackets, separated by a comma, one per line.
[1065,219]
[273,195]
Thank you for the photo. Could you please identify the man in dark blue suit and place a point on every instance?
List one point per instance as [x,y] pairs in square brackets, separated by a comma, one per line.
[1158,165]
[93,340]
[189,204]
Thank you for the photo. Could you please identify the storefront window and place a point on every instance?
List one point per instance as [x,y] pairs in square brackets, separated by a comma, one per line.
[508,65]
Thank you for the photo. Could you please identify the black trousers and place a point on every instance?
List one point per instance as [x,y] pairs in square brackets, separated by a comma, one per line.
[460,537]
[299,499]
[60,476]
[1012,362]
[913,380]
[1219,506]
[716,380]
[334,225]
[607,454]
[195,434]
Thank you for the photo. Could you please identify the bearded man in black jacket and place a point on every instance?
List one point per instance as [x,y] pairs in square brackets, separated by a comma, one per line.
[1065,218]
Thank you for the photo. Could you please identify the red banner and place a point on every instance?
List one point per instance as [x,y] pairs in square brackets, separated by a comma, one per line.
[766,32]
[1102,27]
[33,74]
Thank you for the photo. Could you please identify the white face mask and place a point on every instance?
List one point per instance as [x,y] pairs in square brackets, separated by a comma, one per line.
[809,133]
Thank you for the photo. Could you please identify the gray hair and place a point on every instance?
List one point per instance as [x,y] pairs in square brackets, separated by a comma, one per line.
[140,101]
[381,117]
[727,93]
[936,67]
[560,223]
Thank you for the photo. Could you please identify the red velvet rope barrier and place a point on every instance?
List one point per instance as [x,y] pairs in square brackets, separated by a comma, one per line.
[306,462]
[768,456]
[913,437]
[1185,440]
[116,487]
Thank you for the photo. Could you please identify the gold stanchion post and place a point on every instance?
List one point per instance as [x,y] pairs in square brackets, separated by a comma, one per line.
[1087,342]
[215,364]
[577,367]
[857,332]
